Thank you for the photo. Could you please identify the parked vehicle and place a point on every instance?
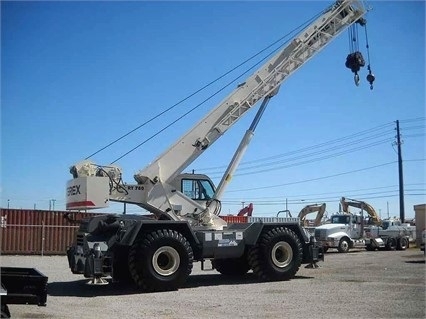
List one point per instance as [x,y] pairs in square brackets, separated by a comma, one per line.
[158,254]
[347,230]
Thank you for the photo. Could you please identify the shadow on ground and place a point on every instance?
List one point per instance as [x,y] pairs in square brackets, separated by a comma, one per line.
[80,288]
[415,261]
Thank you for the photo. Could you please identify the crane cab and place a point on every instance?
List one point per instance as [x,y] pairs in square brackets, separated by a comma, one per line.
[198,187]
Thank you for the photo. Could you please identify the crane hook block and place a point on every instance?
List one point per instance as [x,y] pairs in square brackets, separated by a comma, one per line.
[370,79]
[355,61]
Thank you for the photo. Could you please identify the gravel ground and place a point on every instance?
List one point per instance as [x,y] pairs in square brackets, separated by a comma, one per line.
[359,284]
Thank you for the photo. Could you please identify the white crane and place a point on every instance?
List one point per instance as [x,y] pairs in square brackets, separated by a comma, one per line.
[159,185]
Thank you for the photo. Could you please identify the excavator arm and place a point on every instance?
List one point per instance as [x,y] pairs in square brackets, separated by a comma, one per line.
[346,203]
[311,209]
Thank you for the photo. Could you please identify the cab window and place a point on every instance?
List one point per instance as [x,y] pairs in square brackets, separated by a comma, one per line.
[197,189]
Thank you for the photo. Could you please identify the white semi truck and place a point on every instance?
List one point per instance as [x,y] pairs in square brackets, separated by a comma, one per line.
[347,230]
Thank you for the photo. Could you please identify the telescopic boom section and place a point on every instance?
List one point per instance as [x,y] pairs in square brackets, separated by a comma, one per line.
[262,83]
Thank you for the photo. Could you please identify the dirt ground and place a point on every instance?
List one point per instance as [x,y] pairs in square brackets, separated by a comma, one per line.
[359,284]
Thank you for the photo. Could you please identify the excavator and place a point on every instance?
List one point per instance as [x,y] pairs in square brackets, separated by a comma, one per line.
[248,210]
[311,209]
[158,254]
[374,218]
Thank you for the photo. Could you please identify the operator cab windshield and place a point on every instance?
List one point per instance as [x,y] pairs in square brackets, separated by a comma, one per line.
[198,189]
[340,219]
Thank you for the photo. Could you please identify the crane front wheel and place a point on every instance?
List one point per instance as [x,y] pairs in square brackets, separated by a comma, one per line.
[162,260]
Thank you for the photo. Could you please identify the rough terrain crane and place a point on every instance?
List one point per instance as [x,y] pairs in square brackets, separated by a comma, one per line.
[158,254]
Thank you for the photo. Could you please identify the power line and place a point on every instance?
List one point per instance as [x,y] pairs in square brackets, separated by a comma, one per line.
[314,179]
[311,160]
[413,120]
[251,170]
[326,193]
[322,157]
[266,160]
[315,147]
[278,41]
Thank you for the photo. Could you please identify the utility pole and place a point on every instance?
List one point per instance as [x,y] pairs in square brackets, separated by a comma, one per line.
[400,174]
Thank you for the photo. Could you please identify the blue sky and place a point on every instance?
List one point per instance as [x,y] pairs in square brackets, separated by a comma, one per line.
[77,75]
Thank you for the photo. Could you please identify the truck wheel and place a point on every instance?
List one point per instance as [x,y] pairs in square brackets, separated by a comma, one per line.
[343,245]
[277,255]
[370,247]
[402,243]
[161,260]
[391,244]
[232,266]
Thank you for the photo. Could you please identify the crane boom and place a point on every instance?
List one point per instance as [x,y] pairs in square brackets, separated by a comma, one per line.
[160,185]
[264,82]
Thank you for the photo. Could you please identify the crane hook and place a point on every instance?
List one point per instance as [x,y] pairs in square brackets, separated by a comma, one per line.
[370,78]
[356,79]
[355,61]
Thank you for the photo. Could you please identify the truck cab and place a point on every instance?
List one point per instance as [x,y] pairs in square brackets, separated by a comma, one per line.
[343,232]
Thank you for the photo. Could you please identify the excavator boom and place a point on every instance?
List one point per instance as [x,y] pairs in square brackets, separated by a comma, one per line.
[346,203]
[311,209]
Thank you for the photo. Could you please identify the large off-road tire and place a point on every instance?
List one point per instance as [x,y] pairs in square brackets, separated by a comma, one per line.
[402,243]
[162,260]
[232,266]
[277,255]
[343,245]
[121,271]
[391,244]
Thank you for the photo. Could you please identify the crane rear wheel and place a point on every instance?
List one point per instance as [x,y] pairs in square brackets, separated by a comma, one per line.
[277,255]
